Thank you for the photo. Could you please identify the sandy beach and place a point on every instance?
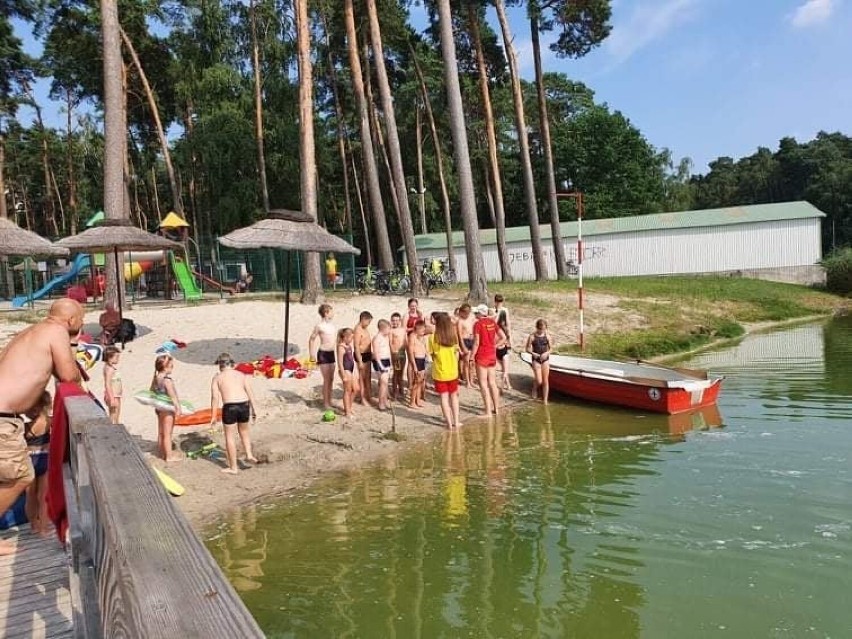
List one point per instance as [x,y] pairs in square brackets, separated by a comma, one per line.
[291,440]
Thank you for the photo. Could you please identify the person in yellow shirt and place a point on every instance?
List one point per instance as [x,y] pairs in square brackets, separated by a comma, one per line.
[331,270]
[444,349]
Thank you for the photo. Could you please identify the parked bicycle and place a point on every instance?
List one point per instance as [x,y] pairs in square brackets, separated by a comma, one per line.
[374,280]
[435,273]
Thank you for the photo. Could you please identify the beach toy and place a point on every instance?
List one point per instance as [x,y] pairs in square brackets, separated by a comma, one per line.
[161,401]
[197,418]
[88,355]
[169,483]
[329,416]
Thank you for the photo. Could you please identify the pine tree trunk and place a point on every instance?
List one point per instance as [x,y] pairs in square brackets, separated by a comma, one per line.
[312,289]
[478,291]
[544,127]
[397,169]
[371,174]
[367,244]
[421,190]
[69,159]
[341,128]
[258,108]
[439,161]
[115,140]
[496,183]
[4,214]
[177,201]
[523,142]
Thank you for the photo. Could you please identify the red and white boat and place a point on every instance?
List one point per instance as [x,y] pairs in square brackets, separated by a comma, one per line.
[640,385]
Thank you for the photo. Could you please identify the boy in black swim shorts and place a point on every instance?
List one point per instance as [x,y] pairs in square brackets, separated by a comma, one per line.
[232,389]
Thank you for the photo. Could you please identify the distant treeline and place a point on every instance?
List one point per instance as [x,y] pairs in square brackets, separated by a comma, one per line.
[819,171]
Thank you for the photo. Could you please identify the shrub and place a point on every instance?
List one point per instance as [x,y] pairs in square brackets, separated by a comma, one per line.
[838,270]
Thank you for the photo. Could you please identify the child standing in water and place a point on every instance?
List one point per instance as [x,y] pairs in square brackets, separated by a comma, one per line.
[232,389]
[112,383]
[163,384]
[37,437]
[539,346]
[346,368]
[417,349]
[326,334]
[382,361]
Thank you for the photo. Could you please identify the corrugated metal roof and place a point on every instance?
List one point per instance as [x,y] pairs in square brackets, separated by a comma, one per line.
[680,220]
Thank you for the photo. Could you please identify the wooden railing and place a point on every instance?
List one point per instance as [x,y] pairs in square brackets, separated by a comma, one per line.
[137,567]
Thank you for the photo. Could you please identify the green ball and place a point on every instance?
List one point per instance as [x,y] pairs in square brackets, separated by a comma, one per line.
[329,416]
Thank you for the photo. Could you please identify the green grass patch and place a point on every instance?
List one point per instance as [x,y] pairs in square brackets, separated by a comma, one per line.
[678,313]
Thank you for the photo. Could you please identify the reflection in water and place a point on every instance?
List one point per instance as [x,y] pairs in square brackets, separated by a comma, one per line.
[506,529]
[574,520]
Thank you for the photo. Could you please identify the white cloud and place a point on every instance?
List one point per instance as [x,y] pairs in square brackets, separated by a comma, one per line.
[812,12]
[649,21]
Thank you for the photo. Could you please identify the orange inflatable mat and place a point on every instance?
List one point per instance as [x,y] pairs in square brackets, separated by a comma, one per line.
[198,418]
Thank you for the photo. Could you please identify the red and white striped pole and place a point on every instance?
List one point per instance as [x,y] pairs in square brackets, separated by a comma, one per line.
[580,266]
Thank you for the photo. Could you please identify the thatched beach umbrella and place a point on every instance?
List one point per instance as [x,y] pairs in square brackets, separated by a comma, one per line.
[113,235]
[18,242]
[291,231]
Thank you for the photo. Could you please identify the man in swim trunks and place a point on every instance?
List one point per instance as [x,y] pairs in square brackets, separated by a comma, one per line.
[26,366]
[464,329]
[382,361]
[398,345]
[232,389]
[364,354]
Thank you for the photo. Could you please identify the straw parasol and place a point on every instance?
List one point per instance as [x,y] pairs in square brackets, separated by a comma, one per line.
[18,242]
[291,231]
[114,235]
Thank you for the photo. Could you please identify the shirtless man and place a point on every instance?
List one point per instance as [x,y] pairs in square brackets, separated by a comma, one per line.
[382,363]
[464,329]
[26,365]
[398,346]
[232,390]
[364,354]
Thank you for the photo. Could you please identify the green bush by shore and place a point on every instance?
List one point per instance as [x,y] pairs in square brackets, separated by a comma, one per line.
[838,270]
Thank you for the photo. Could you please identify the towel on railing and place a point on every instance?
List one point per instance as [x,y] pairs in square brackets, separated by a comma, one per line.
[58,455]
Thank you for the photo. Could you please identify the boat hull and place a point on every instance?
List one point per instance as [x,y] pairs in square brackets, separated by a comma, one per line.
[657,399]
[638,385]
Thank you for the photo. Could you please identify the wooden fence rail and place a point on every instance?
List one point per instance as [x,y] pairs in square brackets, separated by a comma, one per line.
[137,567]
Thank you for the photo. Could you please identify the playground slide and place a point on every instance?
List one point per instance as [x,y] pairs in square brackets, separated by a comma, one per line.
[80,263]
[213,282]
[184,279]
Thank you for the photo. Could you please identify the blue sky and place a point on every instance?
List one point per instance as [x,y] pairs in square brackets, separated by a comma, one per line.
[721,77]
[706,78]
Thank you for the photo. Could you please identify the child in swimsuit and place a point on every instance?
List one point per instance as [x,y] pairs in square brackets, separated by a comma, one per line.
[364,355]
[539,345]
[414,314]
[417,349]
[163,384]
[326,334]
[382,361]
[233,391]
[349,377]
[37,436]
[398,345]
[112,383]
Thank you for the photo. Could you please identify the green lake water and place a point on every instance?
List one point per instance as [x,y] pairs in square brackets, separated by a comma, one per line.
[581,521]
